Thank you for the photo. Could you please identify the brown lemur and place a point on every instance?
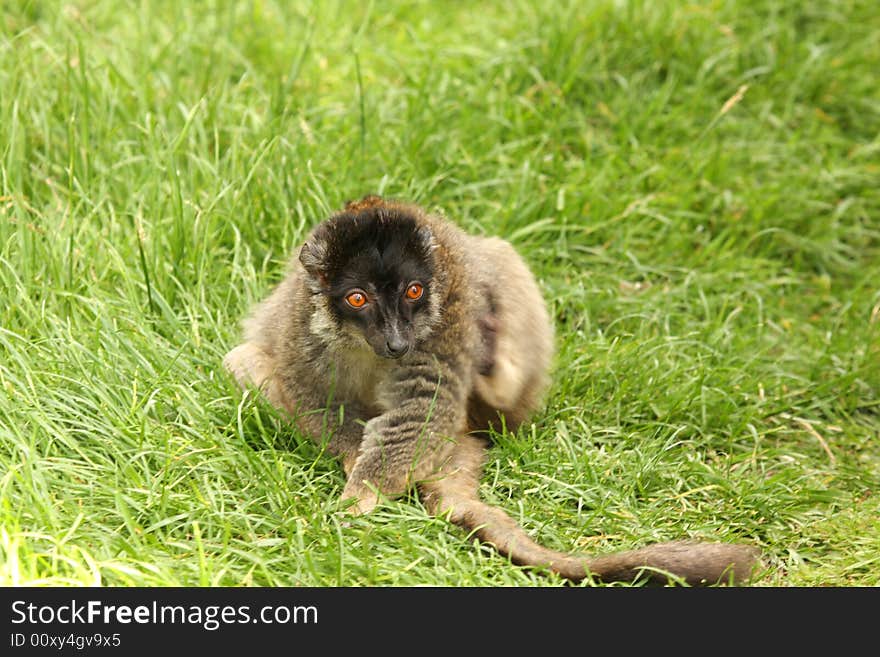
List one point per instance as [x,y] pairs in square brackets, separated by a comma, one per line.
[396,339]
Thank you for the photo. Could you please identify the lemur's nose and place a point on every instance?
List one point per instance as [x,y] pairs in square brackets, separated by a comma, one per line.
[396,346]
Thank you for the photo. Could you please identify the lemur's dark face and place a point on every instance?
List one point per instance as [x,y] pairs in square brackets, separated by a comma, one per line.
[374,268]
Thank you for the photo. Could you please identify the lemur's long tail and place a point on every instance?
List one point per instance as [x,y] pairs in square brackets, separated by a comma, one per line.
[456,490]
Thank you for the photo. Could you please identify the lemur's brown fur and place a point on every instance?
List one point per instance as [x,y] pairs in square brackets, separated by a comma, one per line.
[403,389]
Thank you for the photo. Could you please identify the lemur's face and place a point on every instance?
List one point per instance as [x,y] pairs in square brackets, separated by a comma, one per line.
[374,270]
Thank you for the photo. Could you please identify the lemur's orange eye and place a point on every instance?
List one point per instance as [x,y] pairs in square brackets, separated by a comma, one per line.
[415,291]
[356,299]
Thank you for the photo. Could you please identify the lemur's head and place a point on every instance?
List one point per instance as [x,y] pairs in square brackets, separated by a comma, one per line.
[371,269]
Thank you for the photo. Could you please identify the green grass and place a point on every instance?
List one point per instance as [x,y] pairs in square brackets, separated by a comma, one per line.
[697,186]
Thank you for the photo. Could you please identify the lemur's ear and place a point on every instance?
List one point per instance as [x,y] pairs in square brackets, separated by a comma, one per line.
[313,256]
[426,237]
